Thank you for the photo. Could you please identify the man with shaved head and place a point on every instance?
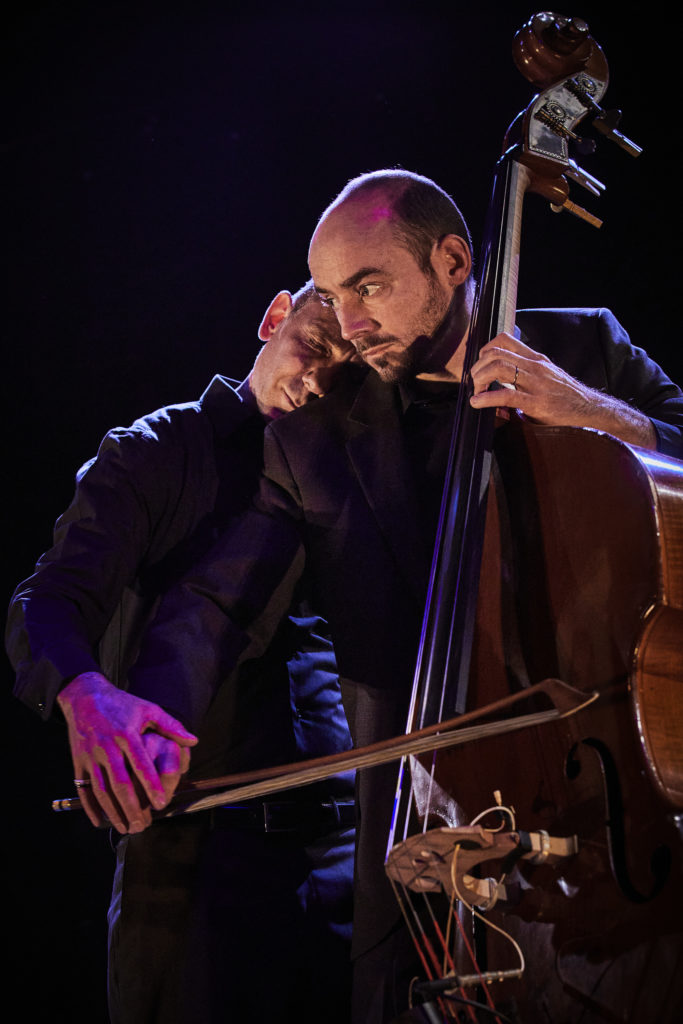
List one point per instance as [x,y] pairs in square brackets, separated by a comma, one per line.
[200,901]
[392,256]
[352,487]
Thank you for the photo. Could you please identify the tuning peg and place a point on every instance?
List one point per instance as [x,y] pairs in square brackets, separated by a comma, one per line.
[578,211]
[583,178]
[606,122]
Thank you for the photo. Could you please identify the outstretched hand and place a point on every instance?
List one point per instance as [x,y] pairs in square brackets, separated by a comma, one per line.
[547,394]
[129,752]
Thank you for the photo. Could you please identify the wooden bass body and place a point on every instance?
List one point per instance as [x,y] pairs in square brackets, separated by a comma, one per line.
[582,580]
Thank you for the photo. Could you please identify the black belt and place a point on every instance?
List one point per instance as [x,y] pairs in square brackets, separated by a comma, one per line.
[287,816]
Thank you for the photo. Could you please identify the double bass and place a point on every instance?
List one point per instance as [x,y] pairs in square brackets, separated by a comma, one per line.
[544,879]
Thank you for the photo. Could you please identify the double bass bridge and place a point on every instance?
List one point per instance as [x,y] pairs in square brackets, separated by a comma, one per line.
[443,860]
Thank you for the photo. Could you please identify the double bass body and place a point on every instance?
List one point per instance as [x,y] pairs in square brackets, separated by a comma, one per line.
[582,580]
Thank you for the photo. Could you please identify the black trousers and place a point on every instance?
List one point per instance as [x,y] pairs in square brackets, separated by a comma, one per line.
[382,978]
[210,924]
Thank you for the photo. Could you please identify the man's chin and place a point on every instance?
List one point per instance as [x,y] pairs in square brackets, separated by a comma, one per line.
[392,371]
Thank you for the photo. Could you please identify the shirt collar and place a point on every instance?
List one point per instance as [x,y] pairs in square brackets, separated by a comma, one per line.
[424,393]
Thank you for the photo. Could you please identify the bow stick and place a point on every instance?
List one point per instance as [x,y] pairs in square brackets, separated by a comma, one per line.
[566,701]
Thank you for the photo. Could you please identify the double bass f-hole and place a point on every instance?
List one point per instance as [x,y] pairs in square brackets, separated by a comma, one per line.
[615,825]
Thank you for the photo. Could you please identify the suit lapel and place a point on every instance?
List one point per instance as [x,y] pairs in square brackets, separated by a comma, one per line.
[224,407]
[376,450]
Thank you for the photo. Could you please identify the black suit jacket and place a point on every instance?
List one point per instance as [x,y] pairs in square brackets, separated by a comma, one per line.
[156,497]
[338,504]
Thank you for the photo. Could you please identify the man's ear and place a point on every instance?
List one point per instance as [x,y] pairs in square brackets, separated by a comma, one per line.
[280,307]
[452,260]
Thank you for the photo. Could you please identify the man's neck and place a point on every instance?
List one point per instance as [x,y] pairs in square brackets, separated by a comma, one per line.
[450,339]
[448,355]
[247,395]
[452,371]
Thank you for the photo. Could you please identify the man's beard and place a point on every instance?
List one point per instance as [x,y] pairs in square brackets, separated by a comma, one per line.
[402,362]
[396,365]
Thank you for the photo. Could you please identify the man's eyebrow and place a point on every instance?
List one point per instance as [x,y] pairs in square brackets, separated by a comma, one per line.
[359,275]
[353,280]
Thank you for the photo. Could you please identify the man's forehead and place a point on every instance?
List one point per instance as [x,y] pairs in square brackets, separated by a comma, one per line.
[320,321]
[367,211]
[352,239]
[314,316]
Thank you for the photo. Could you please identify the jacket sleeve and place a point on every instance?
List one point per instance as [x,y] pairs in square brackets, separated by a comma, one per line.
[229,606]
[59,614]
[635,378]
[592,346]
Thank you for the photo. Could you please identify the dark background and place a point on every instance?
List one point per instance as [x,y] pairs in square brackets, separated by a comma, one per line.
[167,164]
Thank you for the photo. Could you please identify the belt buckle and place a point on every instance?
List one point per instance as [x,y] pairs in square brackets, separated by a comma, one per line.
[333,807]
[270,811]
[300,818]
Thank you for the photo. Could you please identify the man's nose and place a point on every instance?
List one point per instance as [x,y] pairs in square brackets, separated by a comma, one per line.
[353,320]
[319,379]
